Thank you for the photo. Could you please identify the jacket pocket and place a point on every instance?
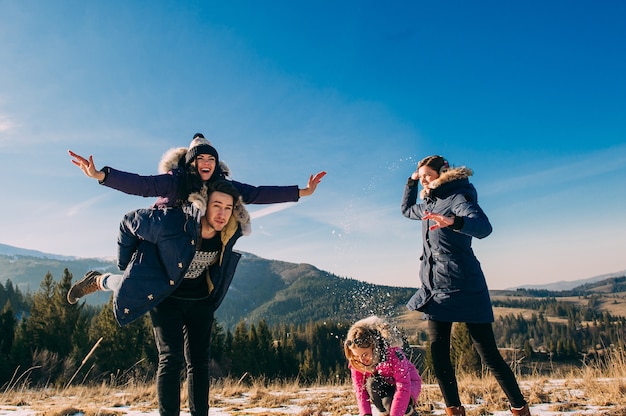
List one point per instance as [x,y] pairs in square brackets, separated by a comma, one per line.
[419,300]
[448,275]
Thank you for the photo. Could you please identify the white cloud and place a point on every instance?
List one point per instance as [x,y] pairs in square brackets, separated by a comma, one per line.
[271,210]
[6,124]
[79,208]
[599,163]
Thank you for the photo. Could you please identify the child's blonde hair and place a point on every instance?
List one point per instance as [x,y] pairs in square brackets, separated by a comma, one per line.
[362,337]
[372,332]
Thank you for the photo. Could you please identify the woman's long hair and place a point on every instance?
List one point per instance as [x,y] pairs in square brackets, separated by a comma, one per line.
[191,181]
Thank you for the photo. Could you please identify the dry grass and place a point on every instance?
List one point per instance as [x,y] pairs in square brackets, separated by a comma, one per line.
[482,395]
[602,386]
[89,400]
[236,397]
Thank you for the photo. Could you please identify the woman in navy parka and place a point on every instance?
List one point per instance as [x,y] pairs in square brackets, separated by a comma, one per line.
[453,287]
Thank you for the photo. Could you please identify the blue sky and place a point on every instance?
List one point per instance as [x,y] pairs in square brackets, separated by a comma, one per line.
[530,95]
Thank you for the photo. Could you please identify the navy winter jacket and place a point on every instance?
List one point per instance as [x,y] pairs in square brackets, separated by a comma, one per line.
[156,246]
[453,284]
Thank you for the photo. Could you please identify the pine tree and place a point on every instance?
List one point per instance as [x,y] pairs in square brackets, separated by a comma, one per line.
[252,344]
[265,357]
[64,316]
[3,295]
[7,329]
[227,358]
[287,352]
[240,351]
[218,353]
[8,324]
[12,294]
[308,367]
[124,351]
[80,338]
[462,351]
[37,323]
[44,338]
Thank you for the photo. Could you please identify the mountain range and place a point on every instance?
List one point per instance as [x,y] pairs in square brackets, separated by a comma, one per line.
[276,291]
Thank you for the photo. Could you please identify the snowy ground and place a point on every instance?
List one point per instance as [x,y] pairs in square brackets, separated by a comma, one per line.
[541,409]
[301,403]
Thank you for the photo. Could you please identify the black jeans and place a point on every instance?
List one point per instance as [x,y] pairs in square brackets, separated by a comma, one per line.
[381,393]
[485,344]
[182,329]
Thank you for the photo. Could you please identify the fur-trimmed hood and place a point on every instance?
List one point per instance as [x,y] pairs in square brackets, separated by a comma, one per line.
[384,336]
[240,214]
[391,333]
[450,175]
[171,160]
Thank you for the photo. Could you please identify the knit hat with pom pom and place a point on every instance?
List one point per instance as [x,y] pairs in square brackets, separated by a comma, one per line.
[200,146]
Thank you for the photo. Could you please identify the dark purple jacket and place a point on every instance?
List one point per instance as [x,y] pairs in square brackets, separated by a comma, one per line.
[166,188]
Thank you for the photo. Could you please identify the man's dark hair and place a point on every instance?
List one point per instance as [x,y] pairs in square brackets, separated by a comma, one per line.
[224,186]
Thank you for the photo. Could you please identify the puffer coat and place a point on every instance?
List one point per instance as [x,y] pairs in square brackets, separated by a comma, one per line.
[156,247]
[453,284]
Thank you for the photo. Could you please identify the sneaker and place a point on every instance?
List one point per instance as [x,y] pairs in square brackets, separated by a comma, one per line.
[88,284]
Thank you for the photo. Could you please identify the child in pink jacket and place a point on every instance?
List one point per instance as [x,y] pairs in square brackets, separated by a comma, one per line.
[381,373]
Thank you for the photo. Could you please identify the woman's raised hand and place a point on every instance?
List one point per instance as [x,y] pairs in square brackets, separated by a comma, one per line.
[87,166]
[314,180]
[441,221]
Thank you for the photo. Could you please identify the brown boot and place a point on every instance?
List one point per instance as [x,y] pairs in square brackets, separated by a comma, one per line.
[522,411]
[455,411]
[91,282]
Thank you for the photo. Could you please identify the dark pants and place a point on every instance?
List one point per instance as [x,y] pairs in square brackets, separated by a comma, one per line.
[381,393]
[182,329]
[485,344]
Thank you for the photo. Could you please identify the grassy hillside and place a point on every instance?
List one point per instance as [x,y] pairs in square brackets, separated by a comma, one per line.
[286,293]
[611,302]
[276,291]
[281,292]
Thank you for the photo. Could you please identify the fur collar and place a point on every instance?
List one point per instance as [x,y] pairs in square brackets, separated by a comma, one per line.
[452,174]
[240,214]
[169,161]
